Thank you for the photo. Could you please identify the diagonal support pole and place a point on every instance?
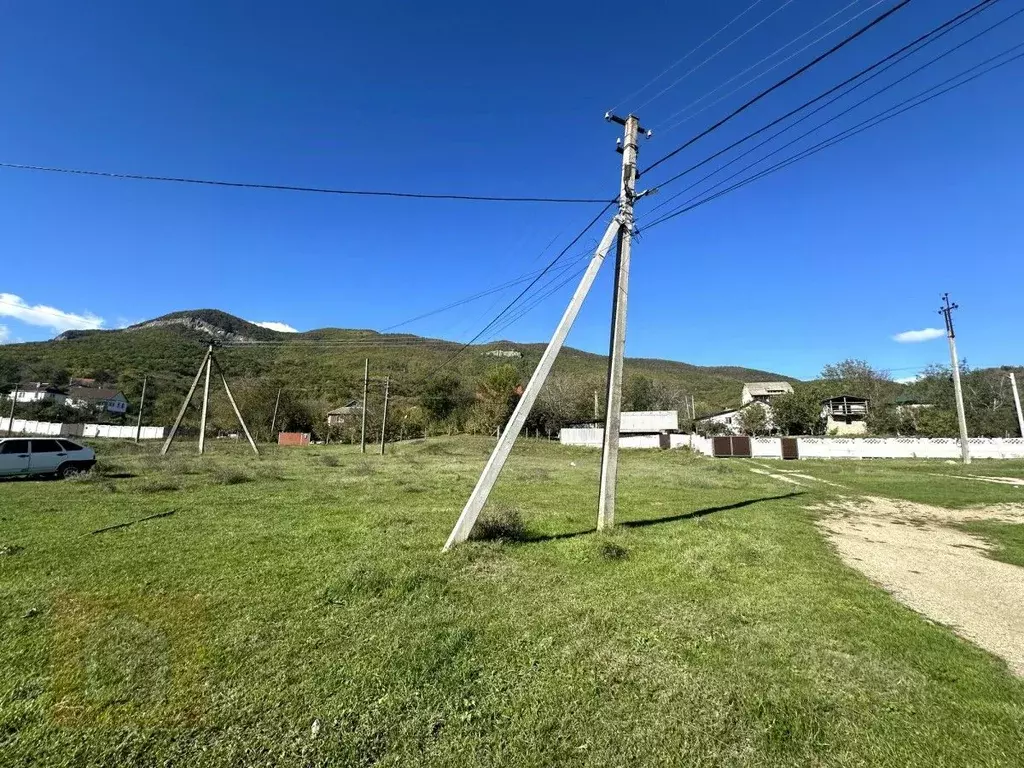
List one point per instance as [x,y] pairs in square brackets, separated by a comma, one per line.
[184,405]
[234,407]
[496,462]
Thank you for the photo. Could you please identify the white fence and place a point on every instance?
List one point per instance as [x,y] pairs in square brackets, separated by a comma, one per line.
[592,438]
[27,427]
[871,447]
[826,447]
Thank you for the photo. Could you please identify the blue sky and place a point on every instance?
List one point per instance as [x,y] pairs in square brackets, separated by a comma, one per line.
[828,259]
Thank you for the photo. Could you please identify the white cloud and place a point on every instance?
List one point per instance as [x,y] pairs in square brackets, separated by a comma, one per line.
[908,379]
[4,333]
[282,327]
[912,337]
[48,317]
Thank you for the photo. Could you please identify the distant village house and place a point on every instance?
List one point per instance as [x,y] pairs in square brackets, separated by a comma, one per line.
[764,391]
[345,415]
[845,415]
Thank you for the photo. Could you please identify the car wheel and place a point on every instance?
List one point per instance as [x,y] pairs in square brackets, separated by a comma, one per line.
[69,470]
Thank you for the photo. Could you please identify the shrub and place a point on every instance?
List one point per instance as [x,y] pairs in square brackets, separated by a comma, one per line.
[158,486]
[499,524]
[231,477]
[330,460]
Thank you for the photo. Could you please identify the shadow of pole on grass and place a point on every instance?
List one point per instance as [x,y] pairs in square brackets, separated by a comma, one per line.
[671,519]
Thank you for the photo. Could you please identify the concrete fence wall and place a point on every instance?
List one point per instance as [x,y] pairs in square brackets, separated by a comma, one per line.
[28,427]
[875,447]
[592,438]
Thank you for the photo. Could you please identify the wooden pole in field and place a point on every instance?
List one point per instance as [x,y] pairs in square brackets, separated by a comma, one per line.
[10,419]
[366,384]
[234,407]
[384,420]
[142,404]
[184,405]
[273,421]
[206,403]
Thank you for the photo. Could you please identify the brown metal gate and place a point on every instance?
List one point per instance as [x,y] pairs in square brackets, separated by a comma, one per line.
[736,446]
[790,449]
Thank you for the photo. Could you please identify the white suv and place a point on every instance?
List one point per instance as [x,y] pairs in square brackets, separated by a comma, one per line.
[44,456]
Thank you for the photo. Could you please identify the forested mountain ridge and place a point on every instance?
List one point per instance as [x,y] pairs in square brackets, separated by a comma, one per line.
[325,366]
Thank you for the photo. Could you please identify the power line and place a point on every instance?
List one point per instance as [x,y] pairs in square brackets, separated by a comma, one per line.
[769,69]
[293,188]
[904,106]
[508,307]
[926,38]
[818,59]
[833,100]
[713,56]
[653,80]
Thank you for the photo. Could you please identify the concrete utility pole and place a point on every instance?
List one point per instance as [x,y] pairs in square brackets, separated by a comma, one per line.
[384,419]
[1016,402]
[366,384]
[206,403]
[234,407]
[273,421]
[623,220]
[184,405]
[142,404]
[617,344]
[597,407]
[10,417]
[947,312]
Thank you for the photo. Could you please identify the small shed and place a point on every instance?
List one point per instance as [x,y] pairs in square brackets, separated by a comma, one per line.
[293,438]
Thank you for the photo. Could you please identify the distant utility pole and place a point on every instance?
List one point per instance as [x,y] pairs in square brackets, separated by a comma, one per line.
[1016,402]
[10,419]
[946,310]
[620,228]
[366,384]
[142,404]
[617,344]
[597,407]
[384,420]
[273,420]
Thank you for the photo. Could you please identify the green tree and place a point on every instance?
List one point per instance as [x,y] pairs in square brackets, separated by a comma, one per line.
[798,412]
[753,420]
[498,394]
[639,394]
[442,397]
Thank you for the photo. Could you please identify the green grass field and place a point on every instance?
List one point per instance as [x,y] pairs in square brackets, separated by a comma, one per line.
[297,610]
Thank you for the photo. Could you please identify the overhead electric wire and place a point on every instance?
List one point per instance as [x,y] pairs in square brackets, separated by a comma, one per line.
[679,61]
[776,65]
[838,115]
[713,56]
[877,119]
[508,307]
[934,33]
[792,76]
[294,188]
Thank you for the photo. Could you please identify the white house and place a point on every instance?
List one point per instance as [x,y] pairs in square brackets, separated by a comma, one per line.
[845,415]
[731,419]
[36,391]
[764,391]
[109,400]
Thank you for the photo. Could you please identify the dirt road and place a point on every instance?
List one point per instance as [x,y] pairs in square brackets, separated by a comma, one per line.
[937,570]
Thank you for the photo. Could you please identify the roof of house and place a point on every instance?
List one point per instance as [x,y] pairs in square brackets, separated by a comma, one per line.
[728,410]
[767,387]
[352,406]
[92,393]
[848,398]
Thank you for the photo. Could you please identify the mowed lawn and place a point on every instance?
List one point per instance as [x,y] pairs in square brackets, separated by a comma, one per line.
[297,610]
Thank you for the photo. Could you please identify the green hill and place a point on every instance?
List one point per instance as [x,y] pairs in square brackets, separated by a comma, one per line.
[327,364]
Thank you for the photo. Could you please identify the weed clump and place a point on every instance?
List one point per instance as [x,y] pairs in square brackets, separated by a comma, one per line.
[231,477]
[499,523]
[158,486]
[609,550]
[330,460]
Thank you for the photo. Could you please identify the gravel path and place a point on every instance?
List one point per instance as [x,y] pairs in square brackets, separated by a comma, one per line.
[938,571]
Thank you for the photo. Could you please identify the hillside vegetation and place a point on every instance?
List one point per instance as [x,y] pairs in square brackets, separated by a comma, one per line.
[321,369]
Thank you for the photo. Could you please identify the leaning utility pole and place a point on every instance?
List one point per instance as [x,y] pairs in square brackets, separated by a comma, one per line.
[623,219]
[10,418]
[142,404]
[384,420]
[366,383]
[617,344]
[947,312]
[273,421]
[1016,402]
